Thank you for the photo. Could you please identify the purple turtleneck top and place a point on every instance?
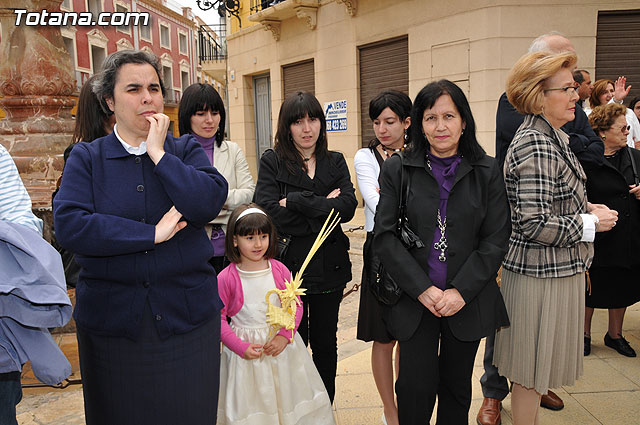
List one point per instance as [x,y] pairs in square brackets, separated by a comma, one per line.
[207,145]
[444,170]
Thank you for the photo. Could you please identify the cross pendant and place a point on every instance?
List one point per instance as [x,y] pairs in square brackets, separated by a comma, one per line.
[441,245]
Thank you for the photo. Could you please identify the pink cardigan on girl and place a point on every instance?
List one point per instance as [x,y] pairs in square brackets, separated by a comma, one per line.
[230,291]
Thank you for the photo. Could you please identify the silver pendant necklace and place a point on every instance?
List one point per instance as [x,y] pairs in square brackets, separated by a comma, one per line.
[441,245]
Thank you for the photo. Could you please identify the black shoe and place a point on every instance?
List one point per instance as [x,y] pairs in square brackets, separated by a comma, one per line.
[587,345]
[620,345]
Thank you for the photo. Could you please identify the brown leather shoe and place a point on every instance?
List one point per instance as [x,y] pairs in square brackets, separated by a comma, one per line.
[489,413]
[550,400]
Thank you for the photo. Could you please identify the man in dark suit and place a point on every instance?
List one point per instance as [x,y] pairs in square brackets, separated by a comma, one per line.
[589,149]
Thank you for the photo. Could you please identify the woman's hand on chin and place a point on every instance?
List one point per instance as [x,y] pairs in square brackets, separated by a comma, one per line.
[158,126]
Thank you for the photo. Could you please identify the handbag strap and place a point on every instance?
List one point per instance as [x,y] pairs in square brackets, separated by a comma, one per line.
[404,192]
[633,167]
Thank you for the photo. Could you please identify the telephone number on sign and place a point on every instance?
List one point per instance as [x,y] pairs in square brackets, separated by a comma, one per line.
[339,124]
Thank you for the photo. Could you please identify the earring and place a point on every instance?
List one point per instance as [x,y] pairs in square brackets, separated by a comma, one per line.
[604,137]
[405,135]
[462,132]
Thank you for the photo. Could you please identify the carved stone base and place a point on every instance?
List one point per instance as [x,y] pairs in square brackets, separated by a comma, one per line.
[36,84]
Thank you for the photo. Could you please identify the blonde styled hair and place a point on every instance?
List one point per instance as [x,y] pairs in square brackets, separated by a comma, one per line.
[602,117]
[525,82]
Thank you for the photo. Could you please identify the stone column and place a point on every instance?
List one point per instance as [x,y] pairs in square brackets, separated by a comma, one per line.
[36,82]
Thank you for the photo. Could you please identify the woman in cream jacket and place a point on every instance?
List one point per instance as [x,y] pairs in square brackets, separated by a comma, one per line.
[202,114]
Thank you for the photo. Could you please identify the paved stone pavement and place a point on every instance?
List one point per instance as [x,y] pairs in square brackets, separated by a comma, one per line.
[608,393]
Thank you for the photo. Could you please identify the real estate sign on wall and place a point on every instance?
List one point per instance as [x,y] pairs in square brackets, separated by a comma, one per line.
[336,114]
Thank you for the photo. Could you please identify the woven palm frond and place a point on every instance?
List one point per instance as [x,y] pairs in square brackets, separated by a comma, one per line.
[284,316]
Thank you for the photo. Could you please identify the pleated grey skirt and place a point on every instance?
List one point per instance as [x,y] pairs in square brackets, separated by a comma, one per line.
[543,348]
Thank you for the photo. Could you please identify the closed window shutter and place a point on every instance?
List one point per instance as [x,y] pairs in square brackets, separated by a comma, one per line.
[618,48]
[384,65]
[298,77]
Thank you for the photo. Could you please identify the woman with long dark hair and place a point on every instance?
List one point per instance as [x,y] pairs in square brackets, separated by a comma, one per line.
[390,114]
[457,206]
[299,183]
[201,113]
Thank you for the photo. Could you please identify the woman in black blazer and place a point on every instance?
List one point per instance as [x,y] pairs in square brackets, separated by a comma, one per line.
[616,263]
[451,299]
[299,182]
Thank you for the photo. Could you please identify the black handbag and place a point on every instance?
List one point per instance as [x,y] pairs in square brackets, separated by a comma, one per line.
[381,283]
[283,246]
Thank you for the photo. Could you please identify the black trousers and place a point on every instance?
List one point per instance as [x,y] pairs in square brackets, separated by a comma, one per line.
[318,328]
[424,374]
[10,396]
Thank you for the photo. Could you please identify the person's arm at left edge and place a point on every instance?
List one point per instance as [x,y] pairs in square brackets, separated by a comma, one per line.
[15,203]
[197,190]
[313,205]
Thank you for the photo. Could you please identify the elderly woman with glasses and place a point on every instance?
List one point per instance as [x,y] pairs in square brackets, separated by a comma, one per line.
[543,273]
[616,264]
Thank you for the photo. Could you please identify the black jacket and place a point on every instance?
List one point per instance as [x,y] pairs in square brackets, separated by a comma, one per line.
[478,229]
[620,246]
[583,141]
[306,211]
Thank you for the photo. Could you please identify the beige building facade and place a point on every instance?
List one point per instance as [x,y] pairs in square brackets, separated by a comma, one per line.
[473,43]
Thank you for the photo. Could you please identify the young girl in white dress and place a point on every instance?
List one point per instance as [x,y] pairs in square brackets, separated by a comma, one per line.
[263,380]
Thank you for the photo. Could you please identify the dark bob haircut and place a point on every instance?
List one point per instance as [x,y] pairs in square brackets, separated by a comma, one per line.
[297,106]
[91,121]
[200,97]
[468,145]
[250,224]
[105,83]
[397,101]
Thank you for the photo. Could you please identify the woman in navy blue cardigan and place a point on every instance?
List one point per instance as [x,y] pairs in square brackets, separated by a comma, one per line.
[132,207]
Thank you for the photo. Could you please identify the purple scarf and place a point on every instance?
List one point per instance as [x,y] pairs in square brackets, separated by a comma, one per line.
[444,170]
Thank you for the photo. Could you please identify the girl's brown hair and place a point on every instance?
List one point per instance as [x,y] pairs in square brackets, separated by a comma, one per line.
[250,224]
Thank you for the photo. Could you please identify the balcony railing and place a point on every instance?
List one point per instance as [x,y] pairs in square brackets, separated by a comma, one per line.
[212,42]
[258,5]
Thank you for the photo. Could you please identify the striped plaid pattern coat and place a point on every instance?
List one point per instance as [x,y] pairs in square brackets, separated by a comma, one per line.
[546,189]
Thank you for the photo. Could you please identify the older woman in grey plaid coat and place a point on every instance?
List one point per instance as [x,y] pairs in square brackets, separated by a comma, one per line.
[553,227]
